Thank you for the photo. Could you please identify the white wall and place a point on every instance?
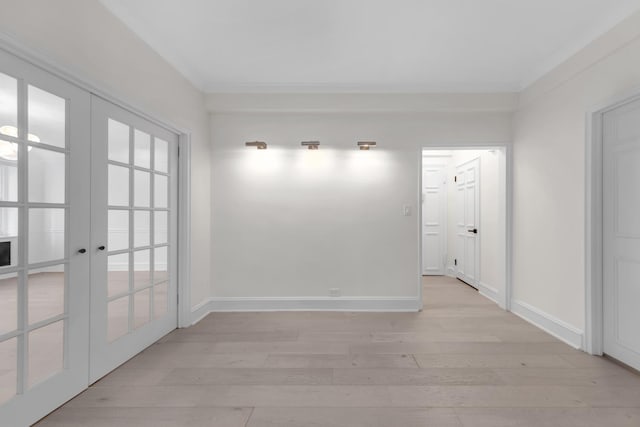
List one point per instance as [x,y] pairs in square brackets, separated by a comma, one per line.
[85,39]
[288,222]
[549,170]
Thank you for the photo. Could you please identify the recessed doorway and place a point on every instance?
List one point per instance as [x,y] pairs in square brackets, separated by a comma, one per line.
[464,231]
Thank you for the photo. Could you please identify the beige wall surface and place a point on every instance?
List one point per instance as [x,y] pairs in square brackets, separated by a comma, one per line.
[289,222]
[549,169]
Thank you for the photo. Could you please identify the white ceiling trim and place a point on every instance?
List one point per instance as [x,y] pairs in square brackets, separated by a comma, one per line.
[355,89]
[562,55]
[221,103]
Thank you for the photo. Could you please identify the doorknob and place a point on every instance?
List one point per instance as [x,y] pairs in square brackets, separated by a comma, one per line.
[82,251]
[474,231]
[101,248]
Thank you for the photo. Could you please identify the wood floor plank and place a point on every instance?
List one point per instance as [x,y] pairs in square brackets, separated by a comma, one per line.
[353,417]
[143,417]
[461,362]
[248,376]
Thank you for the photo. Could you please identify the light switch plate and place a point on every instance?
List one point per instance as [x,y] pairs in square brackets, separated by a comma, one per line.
[406,210]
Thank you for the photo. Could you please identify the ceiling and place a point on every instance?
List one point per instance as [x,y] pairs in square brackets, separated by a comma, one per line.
[367,45]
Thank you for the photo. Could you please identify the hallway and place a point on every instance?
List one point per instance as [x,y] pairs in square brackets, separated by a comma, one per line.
[462,361]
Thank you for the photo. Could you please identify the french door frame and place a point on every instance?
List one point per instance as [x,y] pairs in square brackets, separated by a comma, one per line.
[594,239]
[25,53]
[12,47]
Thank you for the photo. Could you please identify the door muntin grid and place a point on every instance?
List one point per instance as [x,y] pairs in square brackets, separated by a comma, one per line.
[34,214]
[137,230]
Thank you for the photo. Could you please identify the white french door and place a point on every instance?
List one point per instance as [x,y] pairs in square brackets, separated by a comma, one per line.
[621,233]
[88,232]
[134,233]
[44,238]
[467,221]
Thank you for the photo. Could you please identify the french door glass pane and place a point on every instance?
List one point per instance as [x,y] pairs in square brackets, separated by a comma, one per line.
[142,192]
[142,227]
[142,149]
[8,171]
[46,176]
[9,252]
[46,293]
[118,230]
[118,191]
[117,274]
[161,224]
[141,268]
[47,117]
[8,303]
[161,155]
[8,369]
[160,264]
[117,318]
[118,141]
[161,191]
[46,352]
[46,234]
[8,105]
[142,301]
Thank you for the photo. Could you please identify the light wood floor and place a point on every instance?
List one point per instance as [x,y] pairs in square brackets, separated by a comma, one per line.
[460,362]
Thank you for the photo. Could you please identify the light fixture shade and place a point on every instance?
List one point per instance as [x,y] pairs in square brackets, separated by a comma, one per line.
[311,145]
[365,145]
[260,145]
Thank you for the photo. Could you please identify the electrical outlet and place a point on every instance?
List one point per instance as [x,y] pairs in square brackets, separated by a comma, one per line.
[334,292]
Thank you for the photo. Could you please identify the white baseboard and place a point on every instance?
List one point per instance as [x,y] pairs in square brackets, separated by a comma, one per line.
[406,304]
[489,292]
[550,324]
[200,311]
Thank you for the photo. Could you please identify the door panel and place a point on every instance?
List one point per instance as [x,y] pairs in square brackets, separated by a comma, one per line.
[433,219]
[44,221]
[134,199]
[621,233]
[468,218]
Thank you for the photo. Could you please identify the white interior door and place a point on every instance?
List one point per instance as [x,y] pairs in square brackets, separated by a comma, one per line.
[467,220]
[44,236]
[621,233]
[134,235]
[434,212]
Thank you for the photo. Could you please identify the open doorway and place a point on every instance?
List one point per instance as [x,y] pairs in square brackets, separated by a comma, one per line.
[464,217]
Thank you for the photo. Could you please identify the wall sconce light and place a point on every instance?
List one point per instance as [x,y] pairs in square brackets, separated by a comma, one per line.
[365,145]
[258,144]
[311,145]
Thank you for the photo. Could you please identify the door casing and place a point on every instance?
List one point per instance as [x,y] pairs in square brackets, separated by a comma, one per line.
[594,289]
[506,209]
